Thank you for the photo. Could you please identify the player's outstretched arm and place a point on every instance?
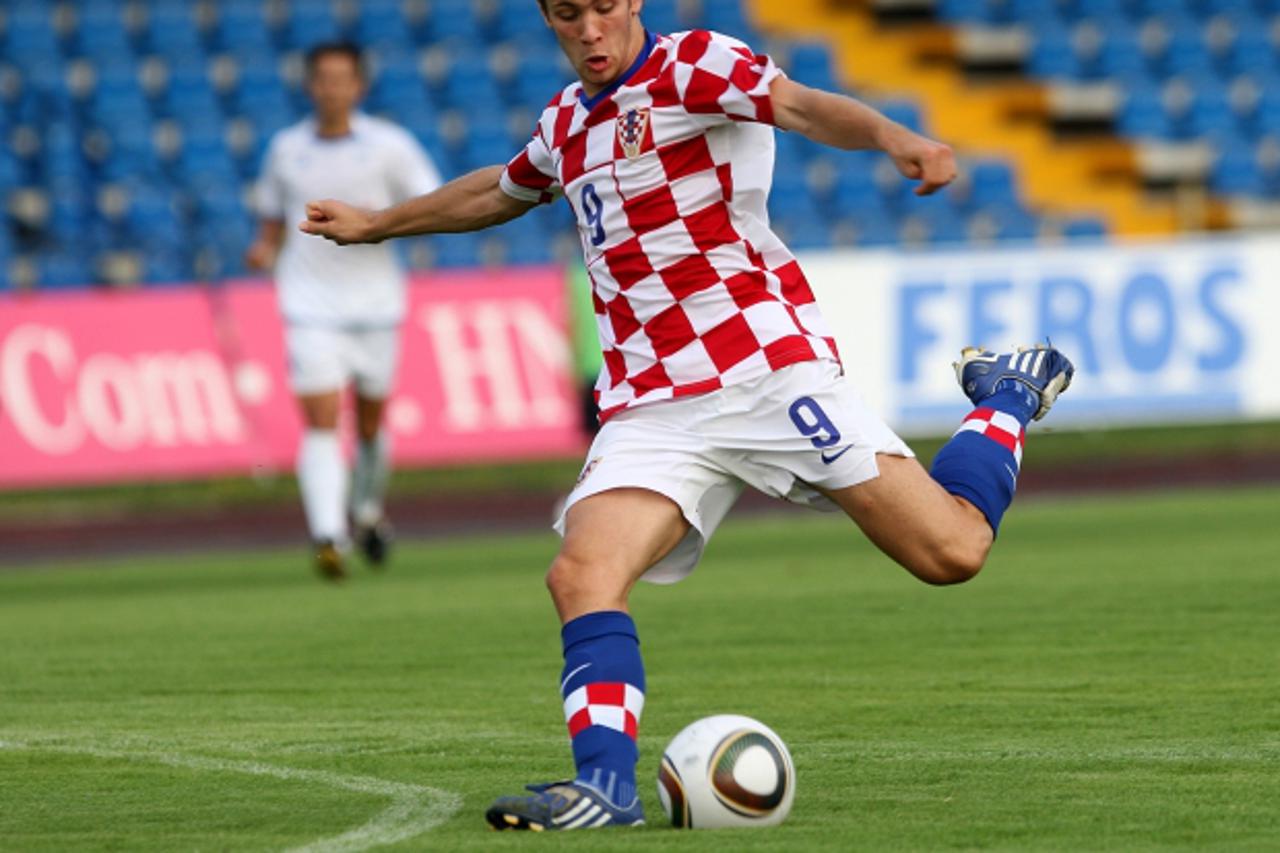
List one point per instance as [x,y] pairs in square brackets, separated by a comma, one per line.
[468,203]
[843,122]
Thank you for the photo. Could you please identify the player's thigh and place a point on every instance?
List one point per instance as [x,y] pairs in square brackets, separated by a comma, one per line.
[369,412]
[373,356]
[936,536]
[320,411]
[611,538]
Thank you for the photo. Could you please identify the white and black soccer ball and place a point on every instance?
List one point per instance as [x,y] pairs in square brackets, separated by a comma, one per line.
[726,770]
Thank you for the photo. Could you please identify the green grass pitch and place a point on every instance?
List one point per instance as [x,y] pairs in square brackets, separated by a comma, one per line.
[1110,682]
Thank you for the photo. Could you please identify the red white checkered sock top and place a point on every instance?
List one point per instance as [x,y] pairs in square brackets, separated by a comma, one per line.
[668,178]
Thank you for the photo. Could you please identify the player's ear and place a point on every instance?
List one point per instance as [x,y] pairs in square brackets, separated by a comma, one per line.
[636,7]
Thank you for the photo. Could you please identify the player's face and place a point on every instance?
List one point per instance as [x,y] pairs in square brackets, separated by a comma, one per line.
[335,86]
[601,37]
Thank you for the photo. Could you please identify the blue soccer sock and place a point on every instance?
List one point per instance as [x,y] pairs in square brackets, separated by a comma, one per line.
[981,461]
[603,689]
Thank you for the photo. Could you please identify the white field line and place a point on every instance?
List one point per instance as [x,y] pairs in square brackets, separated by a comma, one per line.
[414,809]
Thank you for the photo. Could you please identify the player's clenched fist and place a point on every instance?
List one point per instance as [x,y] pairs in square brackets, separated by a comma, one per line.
[931,163]
[340,222]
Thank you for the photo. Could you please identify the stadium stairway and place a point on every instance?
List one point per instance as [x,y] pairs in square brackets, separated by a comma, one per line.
[1098,176]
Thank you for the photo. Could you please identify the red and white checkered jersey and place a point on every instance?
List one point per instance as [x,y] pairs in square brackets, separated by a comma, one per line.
[668,173]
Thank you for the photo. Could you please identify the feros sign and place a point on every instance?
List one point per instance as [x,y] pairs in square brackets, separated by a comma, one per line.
[1157,332]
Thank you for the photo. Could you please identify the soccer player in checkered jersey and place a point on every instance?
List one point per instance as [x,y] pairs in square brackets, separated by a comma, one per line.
[719,369]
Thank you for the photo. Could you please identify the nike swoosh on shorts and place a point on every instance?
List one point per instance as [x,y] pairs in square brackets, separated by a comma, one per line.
[827,460]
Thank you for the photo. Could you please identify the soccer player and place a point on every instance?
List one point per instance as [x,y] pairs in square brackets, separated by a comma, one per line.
[342,308]
[719,370]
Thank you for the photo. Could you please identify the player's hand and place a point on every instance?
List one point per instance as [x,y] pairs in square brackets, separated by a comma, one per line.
[931,163]
[340,222]
[260,256]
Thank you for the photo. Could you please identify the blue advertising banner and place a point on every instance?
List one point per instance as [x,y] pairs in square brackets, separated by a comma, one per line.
[1158,332]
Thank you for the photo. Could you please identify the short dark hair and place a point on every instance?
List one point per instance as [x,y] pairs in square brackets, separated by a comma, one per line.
[335,48]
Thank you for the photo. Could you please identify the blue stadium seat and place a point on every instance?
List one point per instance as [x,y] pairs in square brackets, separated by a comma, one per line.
[663,17]
[1013,223]
[1084,228]
[1142,114]
[728,16]
[520,23]
[1211,113]
[382,24]
[173,31]
[1236,171]
[1036,12]
[812,64]
[456,250]
[243,26]
[1053,56]
[469,84]
[992,184]
[970,11]
[63,268]
[453,22]
[856,191]
[1121,58]
[1253,51]
[310,24]
[872,230]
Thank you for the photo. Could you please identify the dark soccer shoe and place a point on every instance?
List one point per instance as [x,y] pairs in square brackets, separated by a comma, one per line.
[328,561]
[375,542]
[561,805]
[1041,369]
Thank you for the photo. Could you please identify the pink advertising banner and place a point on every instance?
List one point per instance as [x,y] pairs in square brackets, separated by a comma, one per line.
[189,381]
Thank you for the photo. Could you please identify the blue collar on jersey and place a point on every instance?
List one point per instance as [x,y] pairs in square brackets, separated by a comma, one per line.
[590,103]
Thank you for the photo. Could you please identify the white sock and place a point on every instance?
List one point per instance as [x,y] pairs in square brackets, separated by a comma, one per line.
[322,477]
[369,485]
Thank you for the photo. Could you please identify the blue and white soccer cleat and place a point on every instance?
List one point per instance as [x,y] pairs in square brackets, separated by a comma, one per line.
[1041,369]
[562,805]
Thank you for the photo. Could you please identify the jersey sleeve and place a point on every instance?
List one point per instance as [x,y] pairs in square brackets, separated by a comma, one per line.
[531,174]
[268,192]
[719,75]
[413,171]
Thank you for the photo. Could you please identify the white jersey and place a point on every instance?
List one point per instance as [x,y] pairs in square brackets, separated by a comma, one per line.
[378,164]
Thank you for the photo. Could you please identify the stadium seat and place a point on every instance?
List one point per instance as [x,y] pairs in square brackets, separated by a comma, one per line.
[310,24]
[992,184]
[1235,170]
[812,64]
[63,268]
[453,23]
[457,250]
[1084,228]
[1053,56]
[727,16]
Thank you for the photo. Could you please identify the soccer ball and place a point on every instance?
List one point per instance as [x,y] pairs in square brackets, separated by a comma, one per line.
[726,770]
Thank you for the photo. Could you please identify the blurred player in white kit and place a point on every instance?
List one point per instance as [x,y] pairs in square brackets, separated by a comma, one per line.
[342,308]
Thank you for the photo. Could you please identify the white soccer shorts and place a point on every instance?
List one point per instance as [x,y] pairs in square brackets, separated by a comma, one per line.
[323,358]
[787,434]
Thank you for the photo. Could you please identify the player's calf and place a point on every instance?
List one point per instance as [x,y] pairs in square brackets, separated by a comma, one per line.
[980,464]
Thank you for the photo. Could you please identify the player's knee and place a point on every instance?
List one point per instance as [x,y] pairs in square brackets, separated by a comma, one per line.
[957,562]
[568,577]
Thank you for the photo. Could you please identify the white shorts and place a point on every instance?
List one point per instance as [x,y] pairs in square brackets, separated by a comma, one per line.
[326,358]
[787,434]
